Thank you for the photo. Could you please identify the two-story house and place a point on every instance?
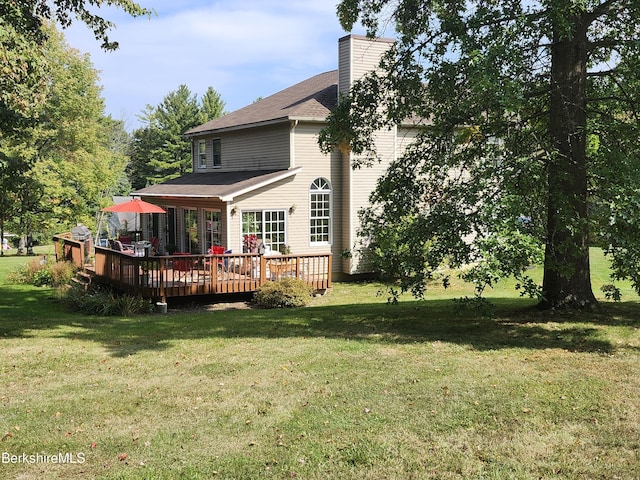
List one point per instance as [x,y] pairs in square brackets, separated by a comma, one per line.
[259,170]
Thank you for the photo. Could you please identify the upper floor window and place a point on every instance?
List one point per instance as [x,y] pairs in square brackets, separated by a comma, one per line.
[217,152]
[320,212]
[202,154]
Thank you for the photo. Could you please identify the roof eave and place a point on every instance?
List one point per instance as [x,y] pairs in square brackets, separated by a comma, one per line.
[232,128]
[320,120]
[230,196]
[169,195]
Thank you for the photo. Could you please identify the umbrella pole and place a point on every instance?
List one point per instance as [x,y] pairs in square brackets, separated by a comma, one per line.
[96,238]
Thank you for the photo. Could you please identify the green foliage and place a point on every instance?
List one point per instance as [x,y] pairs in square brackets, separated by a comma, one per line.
[23,85]
[24,78]
[212,105]
[159,151]
[611,292]
[43,271]
[338,133]
[476,305]
[27,16]
[60,171]
[48,107]
[284,293]
[492,145]
[100,300]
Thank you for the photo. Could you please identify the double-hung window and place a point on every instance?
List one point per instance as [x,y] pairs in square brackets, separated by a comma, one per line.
[217,152]
[202,154]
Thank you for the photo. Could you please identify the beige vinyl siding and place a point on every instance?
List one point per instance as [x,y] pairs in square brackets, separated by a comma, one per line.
[316,165]
[272,197]
[405,137]
[359,184]
[346,212]
[262,148]
[344,62]
[358,55]
[292,195]
[363,182]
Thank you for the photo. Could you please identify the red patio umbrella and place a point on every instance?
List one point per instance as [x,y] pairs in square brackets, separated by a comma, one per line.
[135,206]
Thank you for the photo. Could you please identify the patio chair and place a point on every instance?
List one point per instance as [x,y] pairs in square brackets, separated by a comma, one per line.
[118,246]
[183,266]
[155,245]
[225,261]
[216,250]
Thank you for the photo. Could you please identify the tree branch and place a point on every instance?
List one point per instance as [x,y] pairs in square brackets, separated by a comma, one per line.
[605,8]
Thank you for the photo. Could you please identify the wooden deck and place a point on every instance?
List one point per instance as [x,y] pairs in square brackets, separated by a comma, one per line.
[165,277]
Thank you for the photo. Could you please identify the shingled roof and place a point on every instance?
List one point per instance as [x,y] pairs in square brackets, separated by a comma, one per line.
[311,99]
[223,185]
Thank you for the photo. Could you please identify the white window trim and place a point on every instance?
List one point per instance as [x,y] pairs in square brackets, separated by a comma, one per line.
[202,154]
[330,193]
[262,211]
[204,224]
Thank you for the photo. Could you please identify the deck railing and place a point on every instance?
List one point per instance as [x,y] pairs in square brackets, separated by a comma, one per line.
[68,249]
[187,275]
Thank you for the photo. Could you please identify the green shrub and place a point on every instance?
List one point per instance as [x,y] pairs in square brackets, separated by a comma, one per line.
[43,271]
[62,273]
[128,305]
[23,274]
[287,292]
[41,277]
[100,300]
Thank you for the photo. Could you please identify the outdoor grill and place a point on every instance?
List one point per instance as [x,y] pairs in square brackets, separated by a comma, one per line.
[81,233]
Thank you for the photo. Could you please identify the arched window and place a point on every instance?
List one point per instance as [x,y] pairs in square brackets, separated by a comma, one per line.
[320,212]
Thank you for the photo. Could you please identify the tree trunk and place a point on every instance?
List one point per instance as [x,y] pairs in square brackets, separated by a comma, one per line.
[567,280]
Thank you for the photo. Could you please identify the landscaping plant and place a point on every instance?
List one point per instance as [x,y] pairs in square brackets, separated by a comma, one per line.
[283,293]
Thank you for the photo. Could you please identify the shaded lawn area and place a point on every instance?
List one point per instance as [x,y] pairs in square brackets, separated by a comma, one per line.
[348,388]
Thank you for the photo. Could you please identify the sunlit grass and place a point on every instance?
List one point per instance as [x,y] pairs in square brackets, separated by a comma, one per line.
[348,388]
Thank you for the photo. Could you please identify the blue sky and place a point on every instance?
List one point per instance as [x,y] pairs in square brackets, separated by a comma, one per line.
[244,49]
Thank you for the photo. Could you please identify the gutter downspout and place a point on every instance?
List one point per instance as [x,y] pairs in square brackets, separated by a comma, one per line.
[228,221]
[292,144]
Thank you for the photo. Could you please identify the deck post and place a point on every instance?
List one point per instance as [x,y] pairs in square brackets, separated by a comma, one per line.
[263,270]
[136,275]
[163,296]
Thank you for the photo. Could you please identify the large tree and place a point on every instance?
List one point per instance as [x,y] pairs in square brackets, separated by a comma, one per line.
[529,143]
[62,168]
[27,75]
[24,64]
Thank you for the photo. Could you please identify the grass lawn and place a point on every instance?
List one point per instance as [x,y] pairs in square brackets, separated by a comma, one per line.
[349,388]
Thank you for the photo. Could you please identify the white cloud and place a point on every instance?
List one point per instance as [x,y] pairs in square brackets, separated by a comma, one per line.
[244,49]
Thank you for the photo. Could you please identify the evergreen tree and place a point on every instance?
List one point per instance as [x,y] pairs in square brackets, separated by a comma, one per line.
[159,150]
